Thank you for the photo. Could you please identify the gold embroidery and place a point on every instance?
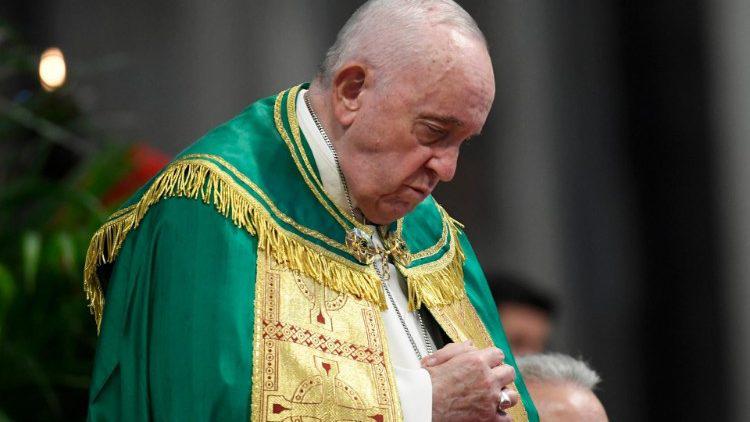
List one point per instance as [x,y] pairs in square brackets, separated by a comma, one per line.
[285,137]
[330,242]
[434,248]
[321,302]
[279,331]
[338,375]
[461,322]
[271,205]
[437,283]
[291,102]
[440,243]
[291,114]
[294,125]
[197,179]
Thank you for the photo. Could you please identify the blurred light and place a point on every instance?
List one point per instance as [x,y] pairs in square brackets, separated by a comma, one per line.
[52,70]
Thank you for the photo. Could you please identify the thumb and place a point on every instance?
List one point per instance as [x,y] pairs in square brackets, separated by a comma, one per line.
[447,353]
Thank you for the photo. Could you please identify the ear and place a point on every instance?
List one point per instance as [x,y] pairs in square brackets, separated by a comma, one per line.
[348,88]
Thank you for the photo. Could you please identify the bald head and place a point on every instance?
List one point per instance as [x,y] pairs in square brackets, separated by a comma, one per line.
[389,35]
[405,85]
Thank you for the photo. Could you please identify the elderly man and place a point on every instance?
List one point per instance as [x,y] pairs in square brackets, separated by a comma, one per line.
[292,265]
[562,388]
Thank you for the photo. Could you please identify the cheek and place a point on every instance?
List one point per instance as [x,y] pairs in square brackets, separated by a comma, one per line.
[389,129]
[413,160]
[380,178]
[393,175]
[388,154]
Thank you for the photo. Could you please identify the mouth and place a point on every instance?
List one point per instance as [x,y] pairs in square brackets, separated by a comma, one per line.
[422,192]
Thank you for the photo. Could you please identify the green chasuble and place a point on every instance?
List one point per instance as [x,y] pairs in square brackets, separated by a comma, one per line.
[234,293]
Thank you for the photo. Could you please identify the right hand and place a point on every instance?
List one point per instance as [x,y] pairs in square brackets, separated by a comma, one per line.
[466,383]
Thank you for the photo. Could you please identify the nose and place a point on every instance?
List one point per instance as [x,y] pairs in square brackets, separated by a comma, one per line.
[443,163]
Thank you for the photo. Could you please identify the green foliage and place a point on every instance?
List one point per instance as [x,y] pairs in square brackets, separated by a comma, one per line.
[53,172]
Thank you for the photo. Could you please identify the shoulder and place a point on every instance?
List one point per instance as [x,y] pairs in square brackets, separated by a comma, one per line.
[186,223]
[251,133]
[426,227]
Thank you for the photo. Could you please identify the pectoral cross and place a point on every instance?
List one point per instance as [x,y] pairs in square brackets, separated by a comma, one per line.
[322,301]
[363,248]
[329,405]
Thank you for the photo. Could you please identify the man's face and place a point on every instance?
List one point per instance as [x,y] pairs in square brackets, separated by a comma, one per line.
[565,402]
[527,328]
[406,136]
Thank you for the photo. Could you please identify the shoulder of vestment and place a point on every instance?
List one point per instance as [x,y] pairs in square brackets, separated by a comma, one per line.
[258,171]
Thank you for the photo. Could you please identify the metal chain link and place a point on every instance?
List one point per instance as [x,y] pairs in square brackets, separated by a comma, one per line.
[333,151]
[383,272]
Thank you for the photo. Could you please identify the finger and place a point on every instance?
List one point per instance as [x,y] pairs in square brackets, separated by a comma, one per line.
[447,353]
[492,356]
[503,374]
[513,396]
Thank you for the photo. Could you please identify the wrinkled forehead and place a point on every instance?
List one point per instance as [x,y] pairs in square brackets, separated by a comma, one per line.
[466,106]
[456,70]
[457,95]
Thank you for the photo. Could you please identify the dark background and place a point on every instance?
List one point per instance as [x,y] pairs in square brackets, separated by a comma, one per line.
[611,170]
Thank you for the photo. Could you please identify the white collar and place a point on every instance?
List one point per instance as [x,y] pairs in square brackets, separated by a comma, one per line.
[329,173]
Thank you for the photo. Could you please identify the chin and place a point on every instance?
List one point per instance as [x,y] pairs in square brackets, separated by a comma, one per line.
[389,213]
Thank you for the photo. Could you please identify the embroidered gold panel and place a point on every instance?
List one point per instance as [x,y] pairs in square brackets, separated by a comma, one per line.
[318,355]
[461,322]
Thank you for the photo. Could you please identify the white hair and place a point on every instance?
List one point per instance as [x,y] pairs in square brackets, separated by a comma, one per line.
[557,367]
[388,33]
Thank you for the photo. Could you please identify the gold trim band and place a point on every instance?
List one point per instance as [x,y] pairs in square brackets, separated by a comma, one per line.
[198,179]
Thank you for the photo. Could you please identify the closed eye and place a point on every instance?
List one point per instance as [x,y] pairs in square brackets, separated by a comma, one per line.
[429,133]
[436,131]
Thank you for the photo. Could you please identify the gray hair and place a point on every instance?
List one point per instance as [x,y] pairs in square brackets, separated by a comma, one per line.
[557,367]
[384,33]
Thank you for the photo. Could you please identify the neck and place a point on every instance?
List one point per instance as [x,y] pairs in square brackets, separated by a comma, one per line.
[321,103]
[317,105]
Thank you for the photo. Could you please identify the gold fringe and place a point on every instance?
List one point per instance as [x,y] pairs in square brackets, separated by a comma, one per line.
[453,221]
[103,248]
[441,282]
[198,179]
[438,283]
